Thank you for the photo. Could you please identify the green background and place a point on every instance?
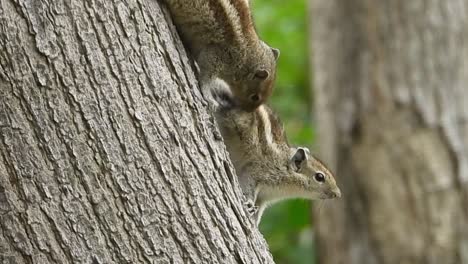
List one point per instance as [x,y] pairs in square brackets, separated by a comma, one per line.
[283,24]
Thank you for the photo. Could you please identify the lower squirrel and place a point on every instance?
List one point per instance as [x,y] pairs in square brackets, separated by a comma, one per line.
[268,168]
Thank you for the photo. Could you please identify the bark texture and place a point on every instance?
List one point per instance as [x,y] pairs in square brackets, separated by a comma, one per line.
[392,109]
[107,154]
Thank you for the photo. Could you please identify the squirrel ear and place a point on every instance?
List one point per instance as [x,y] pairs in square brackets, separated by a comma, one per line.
[276,53]
[299,158]
[261,74]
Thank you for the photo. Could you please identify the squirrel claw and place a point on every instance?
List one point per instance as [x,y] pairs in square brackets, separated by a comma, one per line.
[251,207]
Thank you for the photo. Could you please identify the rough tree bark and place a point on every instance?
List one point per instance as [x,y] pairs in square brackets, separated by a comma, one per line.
[107,154]
[392,109]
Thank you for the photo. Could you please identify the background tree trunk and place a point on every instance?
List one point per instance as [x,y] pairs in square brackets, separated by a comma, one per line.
[107,154]
[392,109]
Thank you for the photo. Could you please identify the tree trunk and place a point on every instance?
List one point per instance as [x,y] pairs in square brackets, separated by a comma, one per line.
[107,154]
[392,109]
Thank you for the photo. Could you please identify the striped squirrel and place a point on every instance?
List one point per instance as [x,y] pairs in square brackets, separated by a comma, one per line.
[268,168]
[221,36]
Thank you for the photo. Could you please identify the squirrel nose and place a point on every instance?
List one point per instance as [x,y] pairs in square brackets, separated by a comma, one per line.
[336,193]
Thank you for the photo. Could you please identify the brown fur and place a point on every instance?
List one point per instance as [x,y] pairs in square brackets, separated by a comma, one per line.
[263,159]
[221,36]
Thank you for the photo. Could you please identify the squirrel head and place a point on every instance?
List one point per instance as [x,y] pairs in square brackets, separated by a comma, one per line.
[260,78]
[316,180]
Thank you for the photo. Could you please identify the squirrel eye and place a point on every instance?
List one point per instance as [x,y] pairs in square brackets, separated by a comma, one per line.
[319,177]
[261,74]
[254,98]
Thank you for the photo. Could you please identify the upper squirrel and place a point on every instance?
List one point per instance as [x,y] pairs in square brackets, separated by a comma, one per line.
[268,168]
[221,36]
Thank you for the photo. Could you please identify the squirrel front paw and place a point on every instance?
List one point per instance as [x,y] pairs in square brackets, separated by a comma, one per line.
[252,209]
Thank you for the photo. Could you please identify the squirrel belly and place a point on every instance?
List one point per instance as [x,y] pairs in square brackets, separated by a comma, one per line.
[268,168]
[221,36]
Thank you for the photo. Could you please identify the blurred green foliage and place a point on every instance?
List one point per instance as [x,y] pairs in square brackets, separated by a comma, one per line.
[283,25]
